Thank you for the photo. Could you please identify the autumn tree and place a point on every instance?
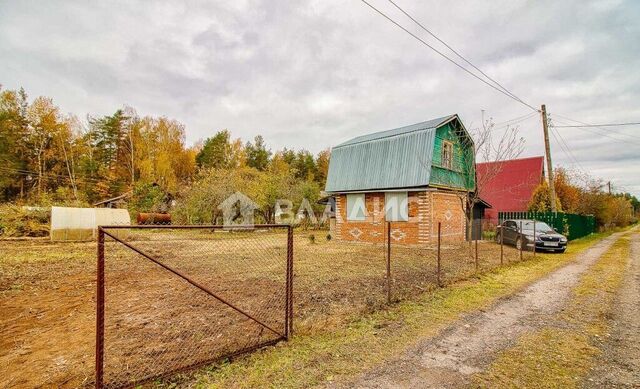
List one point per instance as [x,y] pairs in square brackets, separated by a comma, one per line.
[568,193]
[257,154]
[13,131]
[540,200]
[322,166]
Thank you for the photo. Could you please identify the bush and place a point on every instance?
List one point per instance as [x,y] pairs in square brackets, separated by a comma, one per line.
[17,221]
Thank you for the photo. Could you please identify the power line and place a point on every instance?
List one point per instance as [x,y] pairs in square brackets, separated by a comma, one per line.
[517,119]
[513,122]
[446,57]
[457,53]
[606,135]
[606,125]
[565,147]
[50,175]
[584,127]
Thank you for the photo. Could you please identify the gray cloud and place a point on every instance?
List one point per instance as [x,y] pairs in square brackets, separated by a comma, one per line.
[314,73]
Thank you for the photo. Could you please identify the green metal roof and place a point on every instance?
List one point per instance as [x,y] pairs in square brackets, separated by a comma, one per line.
[398,158]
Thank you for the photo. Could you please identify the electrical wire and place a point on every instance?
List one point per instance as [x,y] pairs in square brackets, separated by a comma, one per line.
[584,126]
[566,149]
[517,119]
[24,172]
[446,57]
[606,135]
[457,53]
[606,125]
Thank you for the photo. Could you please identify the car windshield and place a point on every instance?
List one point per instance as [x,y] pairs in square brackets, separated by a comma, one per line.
[540,226]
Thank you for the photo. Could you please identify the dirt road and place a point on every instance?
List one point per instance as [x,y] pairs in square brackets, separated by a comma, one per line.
[468,347]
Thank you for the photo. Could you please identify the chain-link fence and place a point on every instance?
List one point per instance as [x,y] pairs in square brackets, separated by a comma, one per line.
[337,280]
[174,297]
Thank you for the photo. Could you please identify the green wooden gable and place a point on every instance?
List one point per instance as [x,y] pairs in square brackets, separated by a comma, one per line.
[405,157]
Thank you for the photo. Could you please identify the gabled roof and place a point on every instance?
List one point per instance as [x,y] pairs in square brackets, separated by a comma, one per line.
[398,158]
[508,185]
[433,123]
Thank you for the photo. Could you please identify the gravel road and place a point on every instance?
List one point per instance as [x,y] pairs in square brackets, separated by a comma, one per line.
[467,347]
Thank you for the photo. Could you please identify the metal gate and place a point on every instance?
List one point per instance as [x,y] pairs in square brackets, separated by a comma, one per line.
[171,298]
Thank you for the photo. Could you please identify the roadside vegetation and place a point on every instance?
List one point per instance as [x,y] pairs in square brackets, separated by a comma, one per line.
[560,354]
[338,353]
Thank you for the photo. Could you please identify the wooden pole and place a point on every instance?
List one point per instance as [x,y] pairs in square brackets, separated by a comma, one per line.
[521,240]
[476,254]
[438,270]
[534,238]
[501,245]
[547,148]
[388,262]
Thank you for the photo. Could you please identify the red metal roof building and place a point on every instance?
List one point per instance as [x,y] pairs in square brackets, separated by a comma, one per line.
[508,185]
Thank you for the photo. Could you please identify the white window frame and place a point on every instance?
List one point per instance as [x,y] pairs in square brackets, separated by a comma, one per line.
[356,207]
[396,206]
[447,154]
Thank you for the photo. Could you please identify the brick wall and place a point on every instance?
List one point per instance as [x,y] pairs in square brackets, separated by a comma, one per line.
[426,208]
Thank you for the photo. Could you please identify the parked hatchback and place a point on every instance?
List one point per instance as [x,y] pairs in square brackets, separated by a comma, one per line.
[545,237]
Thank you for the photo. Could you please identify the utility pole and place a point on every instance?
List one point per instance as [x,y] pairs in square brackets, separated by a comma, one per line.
[609,185]
[547,148]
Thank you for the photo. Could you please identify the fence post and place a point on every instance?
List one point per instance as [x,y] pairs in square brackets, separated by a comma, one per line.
[438,276]
[521,240]
[534,238]
[388,262]
[501,244]
[476,255]
[289,292]
[100,311]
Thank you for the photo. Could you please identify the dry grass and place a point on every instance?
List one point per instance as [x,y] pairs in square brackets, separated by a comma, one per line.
[47,294]
[340,352]
[560,354]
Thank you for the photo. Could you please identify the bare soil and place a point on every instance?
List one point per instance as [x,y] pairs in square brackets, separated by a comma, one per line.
[156,322]
[468,347]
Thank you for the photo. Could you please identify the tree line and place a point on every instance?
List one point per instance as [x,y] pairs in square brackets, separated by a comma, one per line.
[584,195]
[48,157]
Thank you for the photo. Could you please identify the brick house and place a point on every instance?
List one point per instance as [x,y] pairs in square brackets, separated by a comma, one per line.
[413,177]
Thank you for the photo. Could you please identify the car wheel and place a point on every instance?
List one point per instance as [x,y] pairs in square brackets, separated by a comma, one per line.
[519,243]
[562,250]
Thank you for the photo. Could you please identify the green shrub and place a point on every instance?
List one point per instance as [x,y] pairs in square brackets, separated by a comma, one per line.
[17,221]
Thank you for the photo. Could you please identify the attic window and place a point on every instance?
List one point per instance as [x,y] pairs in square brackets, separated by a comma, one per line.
[447,155]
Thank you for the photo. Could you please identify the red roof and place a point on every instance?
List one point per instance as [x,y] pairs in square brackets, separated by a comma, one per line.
[508,185]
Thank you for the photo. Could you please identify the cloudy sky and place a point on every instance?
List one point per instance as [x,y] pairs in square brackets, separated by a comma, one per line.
[310,74]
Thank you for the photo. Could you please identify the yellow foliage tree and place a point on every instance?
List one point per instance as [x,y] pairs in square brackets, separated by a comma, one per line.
[540,199]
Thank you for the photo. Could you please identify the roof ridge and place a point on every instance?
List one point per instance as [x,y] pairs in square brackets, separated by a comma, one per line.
[511,160]
[372,136]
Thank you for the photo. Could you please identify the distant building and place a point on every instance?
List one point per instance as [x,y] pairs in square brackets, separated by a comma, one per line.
[413,176]
[508,185]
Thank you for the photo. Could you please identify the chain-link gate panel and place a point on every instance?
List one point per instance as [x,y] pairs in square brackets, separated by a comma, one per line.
[171,298]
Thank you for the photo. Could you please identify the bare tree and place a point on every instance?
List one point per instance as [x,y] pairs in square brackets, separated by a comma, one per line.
[489,144]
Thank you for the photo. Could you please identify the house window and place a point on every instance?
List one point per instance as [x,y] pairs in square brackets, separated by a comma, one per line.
[396,206]
[356,209]
[447,155]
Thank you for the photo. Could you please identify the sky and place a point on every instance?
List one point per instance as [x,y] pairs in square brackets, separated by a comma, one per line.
[313,73]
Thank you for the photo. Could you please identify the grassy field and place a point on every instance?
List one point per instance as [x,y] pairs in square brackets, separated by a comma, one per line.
[155,322]
[341,352]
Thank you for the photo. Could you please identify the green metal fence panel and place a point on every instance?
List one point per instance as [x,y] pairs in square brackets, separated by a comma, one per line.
[572,225]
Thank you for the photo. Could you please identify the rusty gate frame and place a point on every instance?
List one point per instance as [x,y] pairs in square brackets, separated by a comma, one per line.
[100,297]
